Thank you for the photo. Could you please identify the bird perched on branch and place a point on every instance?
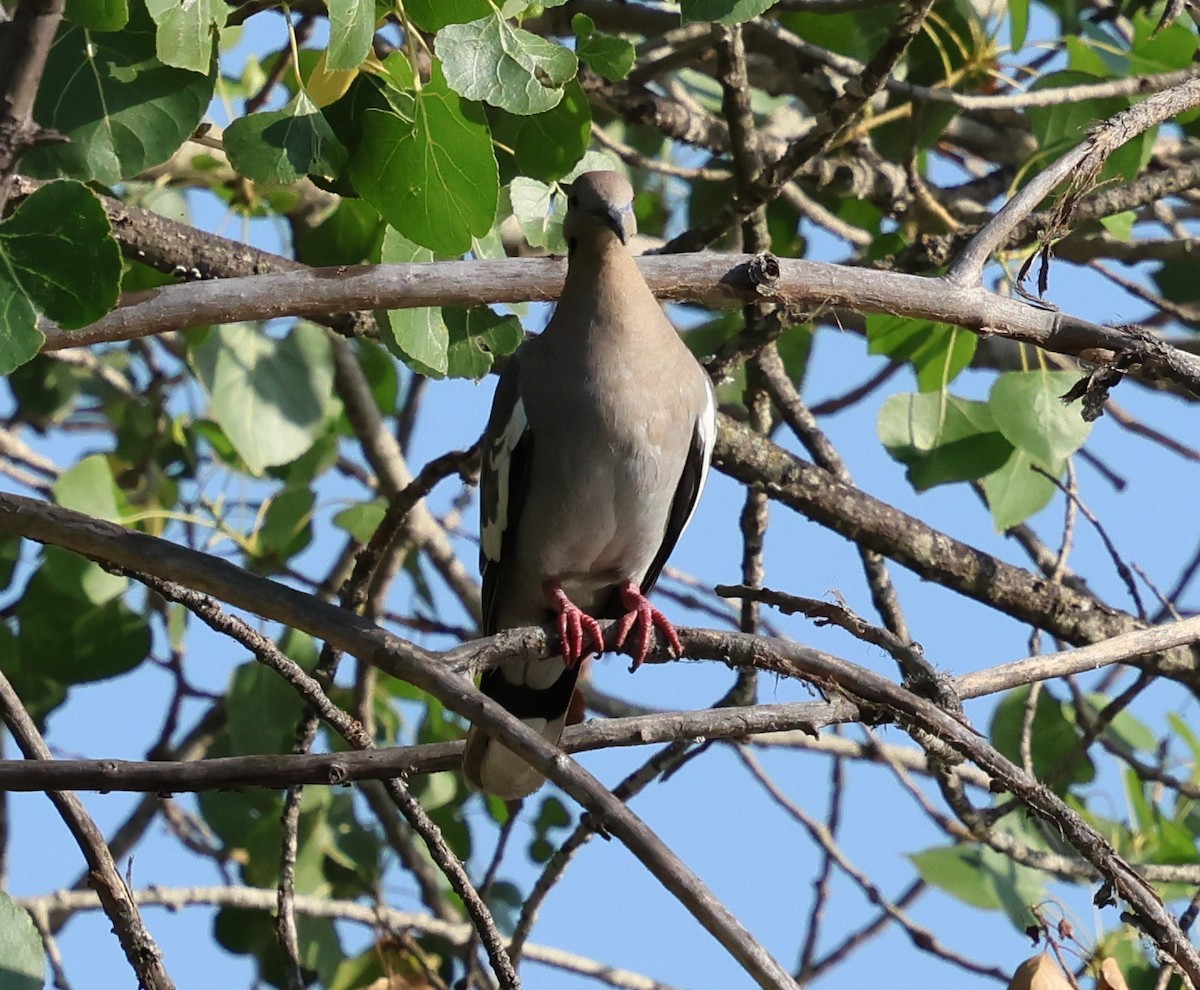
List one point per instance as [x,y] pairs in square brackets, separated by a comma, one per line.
[595,455]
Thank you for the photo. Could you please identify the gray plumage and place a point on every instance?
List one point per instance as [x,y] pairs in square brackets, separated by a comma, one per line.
[595,455]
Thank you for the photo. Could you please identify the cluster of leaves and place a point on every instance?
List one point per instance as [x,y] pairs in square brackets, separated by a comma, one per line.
[1017,443]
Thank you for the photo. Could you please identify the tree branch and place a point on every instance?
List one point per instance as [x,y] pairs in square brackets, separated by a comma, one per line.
[140,552]
[24,46]
[146,554]
[63,903]
[758,723]
[1082,164]
[140,948]
[875,525]
[713,280]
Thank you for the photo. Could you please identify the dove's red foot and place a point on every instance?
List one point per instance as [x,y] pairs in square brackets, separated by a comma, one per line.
[646,617]
[573,623]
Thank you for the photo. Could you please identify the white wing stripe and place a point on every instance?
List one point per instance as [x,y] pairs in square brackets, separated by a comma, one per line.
[707,427]
[500,457]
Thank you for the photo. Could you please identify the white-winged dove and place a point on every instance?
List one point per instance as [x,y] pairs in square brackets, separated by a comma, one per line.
[595,455]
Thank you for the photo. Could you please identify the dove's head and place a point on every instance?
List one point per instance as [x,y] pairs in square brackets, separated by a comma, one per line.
[598,203]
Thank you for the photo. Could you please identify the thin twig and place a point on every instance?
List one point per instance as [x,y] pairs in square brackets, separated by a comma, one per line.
[139,946]
[920,936]
[61,904]
[310,689]
[821,886]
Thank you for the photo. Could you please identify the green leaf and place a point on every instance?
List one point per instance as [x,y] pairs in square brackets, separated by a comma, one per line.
[958,871]
[248,932]
[1057,760]
[122,109]
[539,207]
[65,640]
[351,28]
[606,54]
[1015,491]
[374,967]
[1120,225]
[40,694]
[271,397]
[1028,410]
[82,579]
[86,487]
[23,965]
[98,15]
[857,34]
[505,900]
[433,178]
[506,66]
[286,528]
[1160,839]
[938,351]
[436,790]
[107,641]
[1017,887]
[263,710]
[1172,48]
[1190,739]
[1176,279]
[982,878]
[547,145]
[433,15]
[361,521]
[10,553]
[417,336]
[350,235]
[283,146]
[187,30]
[533,205]
[477,337]
[58,258]
[1057,128]
[941,438]
[1082,56]
[722,11]
[381,372]
[1124,727]
[1018,21]
[552,816]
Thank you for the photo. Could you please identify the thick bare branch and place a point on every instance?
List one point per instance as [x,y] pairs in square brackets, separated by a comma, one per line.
[713,280]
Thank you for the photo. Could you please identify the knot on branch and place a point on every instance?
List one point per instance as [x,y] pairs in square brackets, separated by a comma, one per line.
[764,271]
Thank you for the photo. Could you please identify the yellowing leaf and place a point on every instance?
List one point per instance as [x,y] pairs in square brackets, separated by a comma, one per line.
[325,85]
[1111,977]
[1039,973]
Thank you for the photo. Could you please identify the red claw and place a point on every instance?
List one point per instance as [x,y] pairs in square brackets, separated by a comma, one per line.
[645,616]
[573,623]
